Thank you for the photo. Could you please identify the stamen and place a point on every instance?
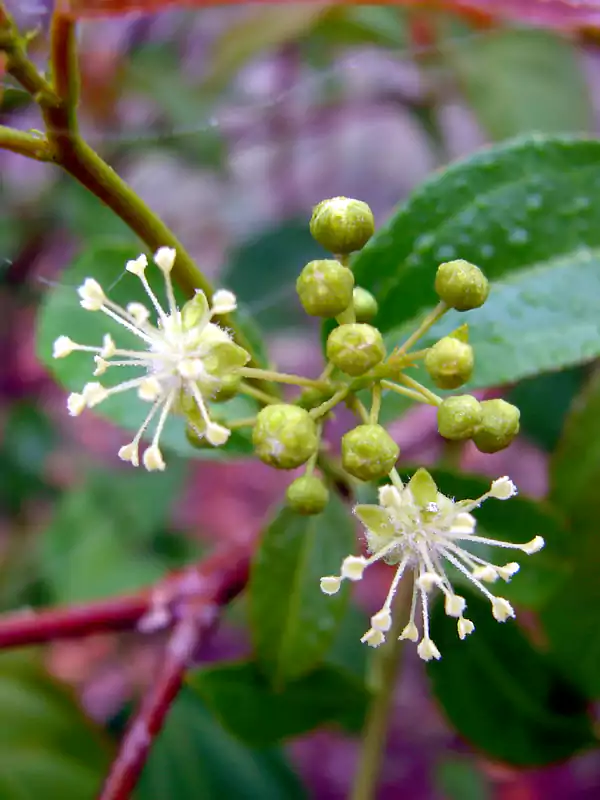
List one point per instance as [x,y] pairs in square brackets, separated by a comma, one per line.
[331,584]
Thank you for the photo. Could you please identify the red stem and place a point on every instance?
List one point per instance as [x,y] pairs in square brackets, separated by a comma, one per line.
[26,628]
[135,747]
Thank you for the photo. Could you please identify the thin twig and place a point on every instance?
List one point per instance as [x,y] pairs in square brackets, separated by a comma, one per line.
[213,580]
[149,719]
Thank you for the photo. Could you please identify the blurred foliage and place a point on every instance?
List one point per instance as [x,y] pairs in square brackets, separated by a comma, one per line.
[195,757]
[46,741]
[521,709]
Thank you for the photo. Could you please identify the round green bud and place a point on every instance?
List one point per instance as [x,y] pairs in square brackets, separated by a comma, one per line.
[461,285]
[325,288]
[499,426]
[228,388]
[458,418]
[342,225]
[365,305]
[355,348]
[369,452]
[449,362]
[307,495]
[284,436]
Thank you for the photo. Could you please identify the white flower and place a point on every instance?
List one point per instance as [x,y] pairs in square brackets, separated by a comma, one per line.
[183,359]
[417,528]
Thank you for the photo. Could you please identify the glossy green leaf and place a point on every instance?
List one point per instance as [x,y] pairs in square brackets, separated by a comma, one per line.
[195,757]
[518,519]
[528,213]
[47,746]
[293,622]
[522,81]
[572,617]
[242,699]
[506,698]
[61,314]
[99,541]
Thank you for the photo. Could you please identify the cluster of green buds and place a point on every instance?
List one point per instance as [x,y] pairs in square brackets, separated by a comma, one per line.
[189,365]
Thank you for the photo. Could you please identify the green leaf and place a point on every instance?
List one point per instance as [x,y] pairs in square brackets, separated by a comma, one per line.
[263,270]
[61,314]
[502,695]
[528,213]
[242,699]
[544,402]
[293,622]
[459,779]
[194,757]
[99,541]
[47,746]
[518,519]
[362,25]
[572,617]
[575,468]
[521,81]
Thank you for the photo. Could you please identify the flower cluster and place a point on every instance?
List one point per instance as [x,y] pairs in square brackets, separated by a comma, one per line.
[185,357]
[416,528]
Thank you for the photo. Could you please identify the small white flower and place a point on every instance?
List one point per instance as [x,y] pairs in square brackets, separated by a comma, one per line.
[63,347]
[373,638]
[330,584]
[503,488]
[183,358]
[465,627]
[353,567]
[404,530]
[223,302]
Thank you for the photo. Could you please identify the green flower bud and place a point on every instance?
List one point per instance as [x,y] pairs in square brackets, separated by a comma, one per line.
[423,488]
[369,452]
[461,285]
[284,436]
[342,225]
[307,495]
[499,426]
[459,417]
[228,388]
[449,362]
[365,305]
[325,288]
[355,348]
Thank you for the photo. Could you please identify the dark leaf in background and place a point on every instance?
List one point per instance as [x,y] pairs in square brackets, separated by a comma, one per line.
[262,272]
[544,402]
[194,757]
[242,699]
[506,698]
[522,81]
[572,618]
[293,623]
[47,746]
[459,779]
[101,540]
